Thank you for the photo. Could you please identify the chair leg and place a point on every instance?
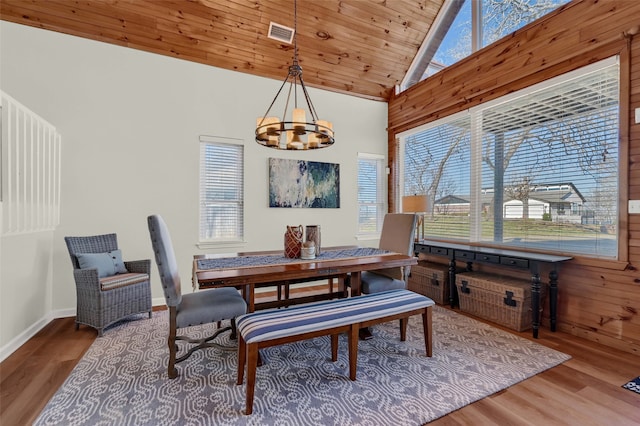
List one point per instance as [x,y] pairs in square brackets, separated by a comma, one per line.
[234,331]
[171,341]
[403,328]
[252,365]
[334,347]
[427,324]
[242,360]
[353,350]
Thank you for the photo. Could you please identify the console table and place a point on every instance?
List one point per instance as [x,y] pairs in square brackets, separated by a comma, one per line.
[501,257]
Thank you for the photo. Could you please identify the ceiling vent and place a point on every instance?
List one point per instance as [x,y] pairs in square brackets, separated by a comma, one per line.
[281,33]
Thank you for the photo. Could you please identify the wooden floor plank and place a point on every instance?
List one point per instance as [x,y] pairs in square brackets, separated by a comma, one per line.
[586,390]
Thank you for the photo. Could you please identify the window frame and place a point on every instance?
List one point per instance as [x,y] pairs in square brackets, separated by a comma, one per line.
[239,234]
[447,15]
[622,150]
[381,192]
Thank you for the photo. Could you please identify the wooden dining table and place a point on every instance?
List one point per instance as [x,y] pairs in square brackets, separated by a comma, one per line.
[250,270]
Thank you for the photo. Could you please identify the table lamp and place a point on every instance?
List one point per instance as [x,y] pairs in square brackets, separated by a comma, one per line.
[416,204]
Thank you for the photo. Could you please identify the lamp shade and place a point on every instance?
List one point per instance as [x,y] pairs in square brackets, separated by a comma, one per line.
[415,203]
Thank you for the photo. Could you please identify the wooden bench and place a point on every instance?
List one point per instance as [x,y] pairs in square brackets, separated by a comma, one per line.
[262,329]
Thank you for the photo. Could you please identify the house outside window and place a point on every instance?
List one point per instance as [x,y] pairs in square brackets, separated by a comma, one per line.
[371,190]
[535,169]
[221,189]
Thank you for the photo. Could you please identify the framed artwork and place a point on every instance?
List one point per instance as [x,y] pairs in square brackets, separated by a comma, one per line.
[303,184]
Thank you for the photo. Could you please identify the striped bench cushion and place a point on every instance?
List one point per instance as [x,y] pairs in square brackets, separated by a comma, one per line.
[121,280]
[300,319]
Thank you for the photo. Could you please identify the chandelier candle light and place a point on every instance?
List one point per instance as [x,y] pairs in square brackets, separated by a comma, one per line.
[297,133]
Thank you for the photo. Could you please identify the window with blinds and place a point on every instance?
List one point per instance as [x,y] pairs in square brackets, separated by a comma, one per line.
[370,194]
[221,189]
[535,169]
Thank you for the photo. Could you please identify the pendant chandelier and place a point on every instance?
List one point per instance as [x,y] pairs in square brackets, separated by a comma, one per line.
[294,133]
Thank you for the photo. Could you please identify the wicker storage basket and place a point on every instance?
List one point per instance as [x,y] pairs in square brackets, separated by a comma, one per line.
[431,280]
[500,299]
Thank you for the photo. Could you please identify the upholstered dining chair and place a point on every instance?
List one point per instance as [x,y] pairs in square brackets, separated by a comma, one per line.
[200,307]
[397,234]
[108,289]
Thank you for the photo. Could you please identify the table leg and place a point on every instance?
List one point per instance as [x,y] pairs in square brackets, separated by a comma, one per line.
[355,283]
[535,303]
[553,299]
[452,282]
[249,296]
[342,286]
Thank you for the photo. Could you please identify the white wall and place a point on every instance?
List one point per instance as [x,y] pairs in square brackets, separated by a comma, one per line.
[130,123]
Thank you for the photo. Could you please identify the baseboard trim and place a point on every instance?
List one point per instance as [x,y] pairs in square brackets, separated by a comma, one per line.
[32,330]
[23,337]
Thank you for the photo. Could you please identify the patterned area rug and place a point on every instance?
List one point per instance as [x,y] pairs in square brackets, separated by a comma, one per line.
[633,385]
[122,379]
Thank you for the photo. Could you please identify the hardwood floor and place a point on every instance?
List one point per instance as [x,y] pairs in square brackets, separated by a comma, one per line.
[585,390]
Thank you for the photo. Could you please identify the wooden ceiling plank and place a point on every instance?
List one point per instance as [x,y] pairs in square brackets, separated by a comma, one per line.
[349,67]
[62,25]
[407,27]
[340,59]
[187,16]
[319,16]
[56,13]
[426,10]
[348,16]
[336,48]
[366,55]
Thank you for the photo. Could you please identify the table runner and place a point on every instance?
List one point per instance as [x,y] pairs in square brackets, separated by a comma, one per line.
[279,259]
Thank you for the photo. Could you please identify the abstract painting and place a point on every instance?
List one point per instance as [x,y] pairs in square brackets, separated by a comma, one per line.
[303,184]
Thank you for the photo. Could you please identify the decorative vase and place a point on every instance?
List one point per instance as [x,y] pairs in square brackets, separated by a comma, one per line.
[293,241]
[313,234]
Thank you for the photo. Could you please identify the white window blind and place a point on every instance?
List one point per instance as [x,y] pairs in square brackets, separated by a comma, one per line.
[436,163]
[221,189]
[370,194]
[535,169]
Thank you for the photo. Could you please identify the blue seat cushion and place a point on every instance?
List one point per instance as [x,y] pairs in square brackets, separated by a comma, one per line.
[300,319]
[211,305]
[370,282]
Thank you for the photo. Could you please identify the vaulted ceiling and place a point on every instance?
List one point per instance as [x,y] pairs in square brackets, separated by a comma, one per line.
[359,47]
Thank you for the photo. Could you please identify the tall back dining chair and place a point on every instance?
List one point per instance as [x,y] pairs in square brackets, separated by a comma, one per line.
[108,289]
[200,307]
[397,234]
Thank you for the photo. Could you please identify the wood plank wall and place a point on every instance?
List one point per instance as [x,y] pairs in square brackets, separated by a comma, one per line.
[599,300]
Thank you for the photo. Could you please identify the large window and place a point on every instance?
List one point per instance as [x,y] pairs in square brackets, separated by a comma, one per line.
[536,169]
[221,189]
[370,194]
[465,26]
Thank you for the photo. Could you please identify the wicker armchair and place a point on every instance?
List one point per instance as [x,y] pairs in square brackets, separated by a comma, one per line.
[104,300]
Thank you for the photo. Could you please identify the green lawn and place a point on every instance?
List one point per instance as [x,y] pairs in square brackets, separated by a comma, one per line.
[450,226]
